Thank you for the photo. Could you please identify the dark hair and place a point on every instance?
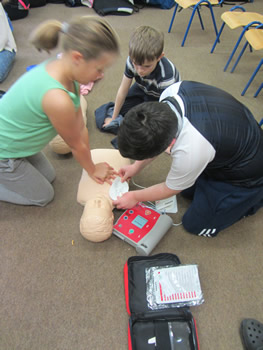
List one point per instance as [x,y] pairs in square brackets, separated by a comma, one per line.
[147,130]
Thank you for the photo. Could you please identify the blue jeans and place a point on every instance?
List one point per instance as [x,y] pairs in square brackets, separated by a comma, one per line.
[6,62]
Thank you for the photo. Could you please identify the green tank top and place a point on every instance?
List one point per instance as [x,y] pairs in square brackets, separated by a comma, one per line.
[24,127]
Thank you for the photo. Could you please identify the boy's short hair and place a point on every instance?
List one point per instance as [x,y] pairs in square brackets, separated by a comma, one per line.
[146,43]
[147,130]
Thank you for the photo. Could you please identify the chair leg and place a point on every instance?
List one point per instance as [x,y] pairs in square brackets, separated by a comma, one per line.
[200,19]
[235,48]
[222,27]
[172,20]
[213,19]
[240,55]
[256,94]
[218,37]
[261,122]
[189,24]
[252,77]
[238,42]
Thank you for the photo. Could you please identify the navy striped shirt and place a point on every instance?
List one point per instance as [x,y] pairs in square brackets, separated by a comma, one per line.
[164,75]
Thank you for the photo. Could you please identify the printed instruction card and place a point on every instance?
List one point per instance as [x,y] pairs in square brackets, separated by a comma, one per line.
[177,284]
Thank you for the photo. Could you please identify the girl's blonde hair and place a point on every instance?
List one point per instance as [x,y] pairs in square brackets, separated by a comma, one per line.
[89,35]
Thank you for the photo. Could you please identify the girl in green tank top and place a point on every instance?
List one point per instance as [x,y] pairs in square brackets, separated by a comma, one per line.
[45,102]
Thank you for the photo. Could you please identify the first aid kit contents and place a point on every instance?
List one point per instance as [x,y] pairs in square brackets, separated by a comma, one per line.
[169,325]
[175,286]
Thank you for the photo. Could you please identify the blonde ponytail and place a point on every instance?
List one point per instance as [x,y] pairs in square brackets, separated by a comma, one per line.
[46,35]
[89,35]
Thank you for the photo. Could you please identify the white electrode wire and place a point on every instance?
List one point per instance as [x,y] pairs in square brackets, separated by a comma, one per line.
[152,204]
[136,184]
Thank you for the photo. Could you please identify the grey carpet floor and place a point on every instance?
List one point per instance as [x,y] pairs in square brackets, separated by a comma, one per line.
[59,296]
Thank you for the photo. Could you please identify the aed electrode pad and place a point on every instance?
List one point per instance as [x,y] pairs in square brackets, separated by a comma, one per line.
[118,188]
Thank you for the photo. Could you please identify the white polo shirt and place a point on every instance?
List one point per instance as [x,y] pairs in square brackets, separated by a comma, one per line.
[191,152]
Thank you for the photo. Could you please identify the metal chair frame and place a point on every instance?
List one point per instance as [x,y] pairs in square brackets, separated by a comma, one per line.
[196,8]
[245,28]
[245,46]
[251,79]
[257,92]
[251,24]
[259,27]
[223,25]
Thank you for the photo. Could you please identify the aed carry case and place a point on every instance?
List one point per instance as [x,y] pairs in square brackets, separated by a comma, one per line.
[169,328]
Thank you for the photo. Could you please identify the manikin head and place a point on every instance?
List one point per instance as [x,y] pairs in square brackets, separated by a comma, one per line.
[96,223]
[97,219]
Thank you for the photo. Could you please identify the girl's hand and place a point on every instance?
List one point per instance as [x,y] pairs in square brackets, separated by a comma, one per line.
[103,173]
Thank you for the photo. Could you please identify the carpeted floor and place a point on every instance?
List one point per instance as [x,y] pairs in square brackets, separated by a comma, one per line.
[56,295]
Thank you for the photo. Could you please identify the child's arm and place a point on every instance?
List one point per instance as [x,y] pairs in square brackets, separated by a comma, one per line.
[150,194]
[129,171]
[70,126]
[120,98]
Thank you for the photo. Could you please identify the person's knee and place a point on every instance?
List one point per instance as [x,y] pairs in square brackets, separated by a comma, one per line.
[52,175]
[42,197]
[46,197]
[5,71]
[3,76]
[198,227]
[37,197]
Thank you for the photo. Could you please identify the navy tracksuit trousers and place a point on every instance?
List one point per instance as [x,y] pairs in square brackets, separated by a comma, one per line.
[217,205]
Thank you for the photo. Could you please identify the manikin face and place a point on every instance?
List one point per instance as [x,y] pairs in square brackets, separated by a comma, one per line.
[97,220]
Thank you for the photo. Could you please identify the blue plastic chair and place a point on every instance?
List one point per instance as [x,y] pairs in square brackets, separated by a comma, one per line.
[254,40]
[226,18]
[250,43]
[234,20]
[247,27]
[195,5]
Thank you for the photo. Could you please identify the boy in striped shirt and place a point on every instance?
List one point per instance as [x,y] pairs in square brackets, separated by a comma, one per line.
[146,64]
